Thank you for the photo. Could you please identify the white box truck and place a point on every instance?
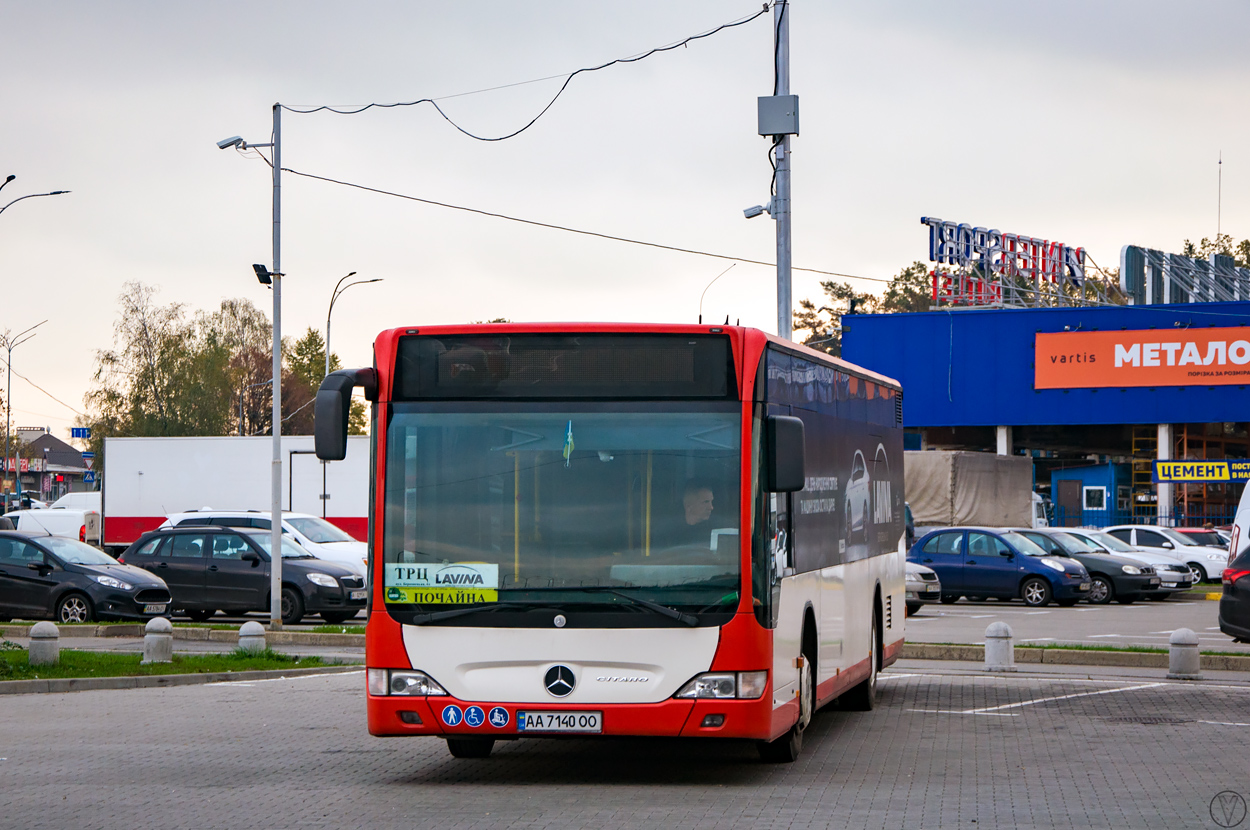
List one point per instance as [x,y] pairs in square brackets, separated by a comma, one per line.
[146,479]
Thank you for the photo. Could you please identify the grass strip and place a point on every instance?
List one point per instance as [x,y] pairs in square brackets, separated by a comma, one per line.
[15,665]
[338,629]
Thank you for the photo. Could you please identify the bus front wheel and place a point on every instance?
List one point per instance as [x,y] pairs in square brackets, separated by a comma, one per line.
[786,749]
[470,747]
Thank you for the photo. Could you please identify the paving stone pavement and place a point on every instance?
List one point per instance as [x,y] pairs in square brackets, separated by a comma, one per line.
[940,751]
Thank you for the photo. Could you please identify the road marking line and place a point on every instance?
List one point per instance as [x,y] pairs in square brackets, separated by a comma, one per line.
[963,712]
[1093,636]
[1063,697]
[1212,722]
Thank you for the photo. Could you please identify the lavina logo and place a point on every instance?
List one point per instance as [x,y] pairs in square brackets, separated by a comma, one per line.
[467,575]
[459,576]
[882,504]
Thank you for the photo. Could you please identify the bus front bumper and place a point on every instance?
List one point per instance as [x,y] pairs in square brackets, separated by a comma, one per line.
[396,715]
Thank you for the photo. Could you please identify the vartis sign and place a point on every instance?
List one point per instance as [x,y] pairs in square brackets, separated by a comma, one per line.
[992,265]
[1167,357]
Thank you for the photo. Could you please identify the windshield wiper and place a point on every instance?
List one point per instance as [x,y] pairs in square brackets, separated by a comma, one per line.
[672,613]
[435,616]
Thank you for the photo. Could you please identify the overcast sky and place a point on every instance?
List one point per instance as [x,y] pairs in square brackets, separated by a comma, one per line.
[1091,123]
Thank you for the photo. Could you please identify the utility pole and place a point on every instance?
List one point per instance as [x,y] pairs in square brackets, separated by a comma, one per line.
[781,153]
[275,536]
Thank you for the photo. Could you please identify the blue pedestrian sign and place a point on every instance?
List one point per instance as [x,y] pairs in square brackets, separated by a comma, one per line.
[88,477]
[452,715]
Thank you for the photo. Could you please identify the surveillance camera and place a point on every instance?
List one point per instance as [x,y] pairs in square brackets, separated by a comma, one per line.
[233,141]
[753,211]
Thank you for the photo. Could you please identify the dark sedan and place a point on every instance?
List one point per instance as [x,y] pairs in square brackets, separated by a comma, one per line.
[980,562]
[1120,578]
[50,576]
[212,569]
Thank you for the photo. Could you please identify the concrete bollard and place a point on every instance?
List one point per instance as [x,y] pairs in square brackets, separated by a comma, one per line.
[158,641]
[1000,654]
[1184,661]
[45,644]
[252,637]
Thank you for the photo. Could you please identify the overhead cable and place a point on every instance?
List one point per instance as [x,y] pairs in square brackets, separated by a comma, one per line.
[434,103]
[574,230]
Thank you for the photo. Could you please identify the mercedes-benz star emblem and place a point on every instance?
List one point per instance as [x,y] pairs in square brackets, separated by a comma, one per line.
[559,681]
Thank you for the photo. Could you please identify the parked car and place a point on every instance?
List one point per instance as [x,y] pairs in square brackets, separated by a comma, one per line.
[1235,602]
[83,525]
[313,533]
[981,562]
[1202,561]
[1205,536]
[225,568]
[70,581]
[923,586]
[1174,575]
[1121,578]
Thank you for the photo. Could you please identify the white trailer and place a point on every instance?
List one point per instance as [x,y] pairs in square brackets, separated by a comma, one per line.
[146,479]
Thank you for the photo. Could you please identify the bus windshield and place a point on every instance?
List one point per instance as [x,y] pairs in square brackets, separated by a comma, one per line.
[558,503]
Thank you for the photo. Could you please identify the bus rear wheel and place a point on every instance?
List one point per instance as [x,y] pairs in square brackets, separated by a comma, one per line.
[863,696]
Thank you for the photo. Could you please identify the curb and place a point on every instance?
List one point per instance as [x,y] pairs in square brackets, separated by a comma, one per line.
[1070,657]
[87,684]
[283,638]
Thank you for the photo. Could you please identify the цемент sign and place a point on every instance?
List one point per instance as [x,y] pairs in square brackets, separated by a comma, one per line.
[1205,470]
[1153,357]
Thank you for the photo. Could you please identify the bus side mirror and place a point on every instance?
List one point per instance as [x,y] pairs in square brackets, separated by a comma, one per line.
[784,471]
[333,406]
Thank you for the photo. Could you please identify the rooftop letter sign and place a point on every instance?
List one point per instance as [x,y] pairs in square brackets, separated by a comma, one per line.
[1155,357]
[994,267]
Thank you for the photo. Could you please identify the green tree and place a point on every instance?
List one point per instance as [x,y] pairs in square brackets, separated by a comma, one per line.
[1222,244]
[909,290]
[307,367]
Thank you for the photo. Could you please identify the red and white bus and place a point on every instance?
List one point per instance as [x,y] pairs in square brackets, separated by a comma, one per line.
[616,529]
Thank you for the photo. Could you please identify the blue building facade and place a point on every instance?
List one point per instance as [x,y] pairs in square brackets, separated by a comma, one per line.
[970,382]
[974,367]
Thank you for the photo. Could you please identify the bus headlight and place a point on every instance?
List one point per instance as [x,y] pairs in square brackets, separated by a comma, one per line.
[746,685]
[410,683]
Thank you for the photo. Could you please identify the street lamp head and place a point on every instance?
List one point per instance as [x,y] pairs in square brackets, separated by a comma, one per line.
[58,193]
[232,141]
[262,274]
[8,179]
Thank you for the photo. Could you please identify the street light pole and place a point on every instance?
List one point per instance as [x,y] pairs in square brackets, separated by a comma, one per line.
[11,343]
[275,536]
[338,292]
[781,201]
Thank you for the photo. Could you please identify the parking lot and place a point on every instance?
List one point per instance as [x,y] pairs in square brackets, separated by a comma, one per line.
[943,749]
[1139,624]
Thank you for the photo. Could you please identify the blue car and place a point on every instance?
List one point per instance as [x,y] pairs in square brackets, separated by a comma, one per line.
[979,562]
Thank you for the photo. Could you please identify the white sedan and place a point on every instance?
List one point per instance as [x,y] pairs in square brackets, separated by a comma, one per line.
[1204,562]
[922,586]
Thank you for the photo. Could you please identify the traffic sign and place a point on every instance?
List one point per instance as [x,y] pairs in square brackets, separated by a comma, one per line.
[80,432]
[87,456]
[88,477]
